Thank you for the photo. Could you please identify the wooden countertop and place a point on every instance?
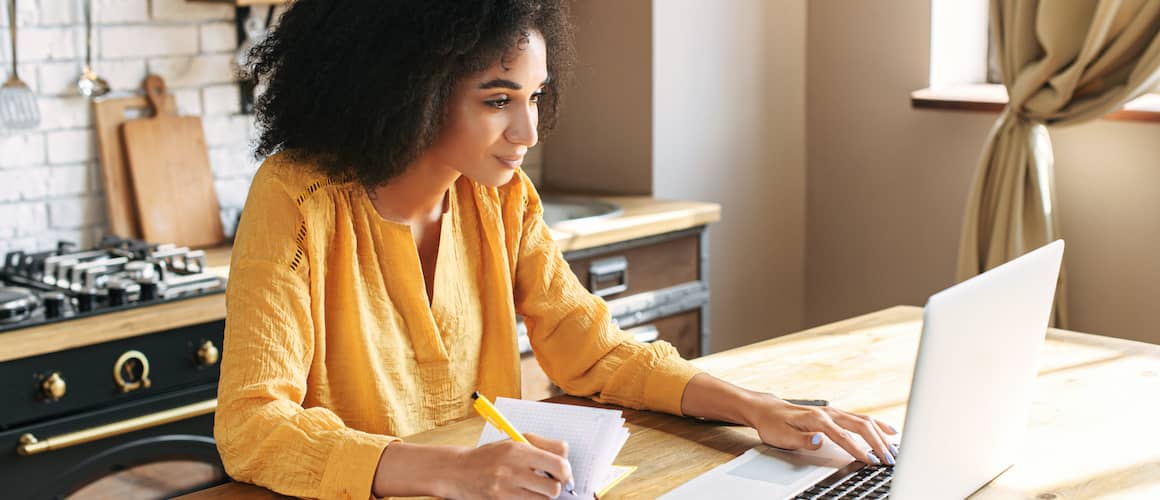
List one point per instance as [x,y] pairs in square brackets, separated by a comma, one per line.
[643,216]
[1092,430]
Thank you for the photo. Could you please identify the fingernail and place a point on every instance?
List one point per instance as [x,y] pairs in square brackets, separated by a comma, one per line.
[892,428]
[889,459]
[873,459]
[894,449]
[817,439]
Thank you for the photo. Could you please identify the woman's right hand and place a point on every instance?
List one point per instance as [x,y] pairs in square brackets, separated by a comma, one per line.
[507,469]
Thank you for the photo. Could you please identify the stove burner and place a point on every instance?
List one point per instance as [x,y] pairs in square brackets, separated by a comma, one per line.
[16,304]
[117,274]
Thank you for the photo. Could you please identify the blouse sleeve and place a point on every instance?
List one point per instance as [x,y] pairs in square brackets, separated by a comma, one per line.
[263,433]
[572,334]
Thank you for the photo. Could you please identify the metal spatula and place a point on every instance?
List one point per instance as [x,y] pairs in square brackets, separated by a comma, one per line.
[18,108]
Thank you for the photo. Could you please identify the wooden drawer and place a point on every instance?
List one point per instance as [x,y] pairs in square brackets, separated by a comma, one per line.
[648,267]
[682,330]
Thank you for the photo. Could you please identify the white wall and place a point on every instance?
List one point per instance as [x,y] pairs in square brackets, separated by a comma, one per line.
[50,185]
[602,142]
[887,183]
[700,100]
[729,127]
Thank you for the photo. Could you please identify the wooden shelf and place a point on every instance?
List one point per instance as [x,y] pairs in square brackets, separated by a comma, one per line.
[993,98]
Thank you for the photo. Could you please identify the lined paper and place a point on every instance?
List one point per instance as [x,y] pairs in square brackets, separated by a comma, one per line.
[594,436]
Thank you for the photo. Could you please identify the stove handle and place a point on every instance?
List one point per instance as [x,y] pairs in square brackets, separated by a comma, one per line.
[30,445]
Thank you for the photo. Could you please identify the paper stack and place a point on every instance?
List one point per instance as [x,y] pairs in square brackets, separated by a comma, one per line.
[594,436]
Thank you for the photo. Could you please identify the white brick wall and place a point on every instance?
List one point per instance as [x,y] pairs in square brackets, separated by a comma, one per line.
[65,112]
[217,37]
[145,40]
[60,12]
[21,150]
[70,180]
[71,146]
[43,44]
[181,10]
[221,100]
[50,181]
[120,11]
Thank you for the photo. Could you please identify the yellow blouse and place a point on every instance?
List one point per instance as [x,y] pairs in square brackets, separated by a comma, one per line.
[332,348]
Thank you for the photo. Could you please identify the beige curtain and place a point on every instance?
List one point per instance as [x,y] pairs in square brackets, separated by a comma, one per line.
[1063,62]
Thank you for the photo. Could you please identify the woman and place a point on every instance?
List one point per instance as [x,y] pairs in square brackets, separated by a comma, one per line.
[388,243]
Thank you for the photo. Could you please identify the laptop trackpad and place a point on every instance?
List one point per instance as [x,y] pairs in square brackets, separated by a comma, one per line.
[764,472]
[778,467]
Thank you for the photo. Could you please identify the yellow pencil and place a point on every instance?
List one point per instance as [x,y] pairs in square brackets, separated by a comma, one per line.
[490,413]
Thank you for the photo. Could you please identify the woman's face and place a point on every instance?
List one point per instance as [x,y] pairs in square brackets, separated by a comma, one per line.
[492,116]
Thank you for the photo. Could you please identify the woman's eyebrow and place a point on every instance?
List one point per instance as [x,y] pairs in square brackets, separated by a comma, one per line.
[500,83]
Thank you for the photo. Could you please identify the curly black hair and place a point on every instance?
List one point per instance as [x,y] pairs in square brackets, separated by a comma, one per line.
[359,87]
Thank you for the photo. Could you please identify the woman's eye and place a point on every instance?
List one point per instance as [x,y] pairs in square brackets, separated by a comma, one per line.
[499,103]
[536,97]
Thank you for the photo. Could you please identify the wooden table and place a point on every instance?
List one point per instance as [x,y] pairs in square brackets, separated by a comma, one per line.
[1093,430]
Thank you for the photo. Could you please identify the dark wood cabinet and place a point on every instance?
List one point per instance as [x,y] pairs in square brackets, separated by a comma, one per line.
[656,289]
[649,267]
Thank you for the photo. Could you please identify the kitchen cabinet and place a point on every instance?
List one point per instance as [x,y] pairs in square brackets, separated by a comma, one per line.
[656,289]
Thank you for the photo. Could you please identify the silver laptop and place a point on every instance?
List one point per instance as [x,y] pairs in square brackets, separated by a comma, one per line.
[969,404]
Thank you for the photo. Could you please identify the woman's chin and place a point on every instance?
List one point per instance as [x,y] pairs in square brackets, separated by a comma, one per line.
[495,178]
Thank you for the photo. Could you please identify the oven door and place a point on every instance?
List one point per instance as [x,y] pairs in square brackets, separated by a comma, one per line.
[157,447]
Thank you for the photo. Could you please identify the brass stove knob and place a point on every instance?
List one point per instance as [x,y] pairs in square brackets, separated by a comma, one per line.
[53,387]
[208,354]
[131,371]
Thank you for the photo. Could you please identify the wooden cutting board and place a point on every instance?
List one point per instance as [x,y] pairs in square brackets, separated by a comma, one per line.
[108,115]
[172,180]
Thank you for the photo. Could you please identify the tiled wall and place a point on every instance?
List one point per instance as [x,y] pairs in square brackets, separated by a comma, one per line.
[50,185]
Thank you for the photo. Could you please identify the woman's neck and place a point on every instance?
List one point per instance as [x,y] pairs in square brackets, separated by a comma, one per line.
[416,196]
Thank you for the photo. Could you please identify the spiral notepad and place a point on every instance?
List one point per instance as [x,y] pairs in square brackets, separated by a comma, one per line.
[594,436]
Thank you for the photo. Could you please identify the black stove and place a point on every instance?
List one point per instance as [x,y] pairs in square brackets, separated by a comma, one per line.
[67,283]
[80,415]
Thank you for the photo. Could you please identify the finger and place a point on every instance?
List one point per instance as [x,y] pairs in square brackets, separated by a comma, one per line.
[844,439]
[864,427]
[553,445]
[794,438]
[539,485]
[549,462]
[884,430]
[887,428]
[811,440]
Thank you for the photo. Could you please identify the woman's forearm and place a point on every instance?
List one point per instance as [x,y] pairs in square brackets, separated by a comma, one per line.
[711,398]
[414,470]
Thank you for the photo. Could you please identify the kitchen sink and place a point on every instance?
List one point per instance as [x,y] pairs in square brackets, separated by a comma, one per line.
[574,209]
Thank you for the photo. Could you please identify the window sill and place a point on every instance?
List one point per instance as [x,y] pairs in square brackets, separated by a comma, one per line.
[988,97]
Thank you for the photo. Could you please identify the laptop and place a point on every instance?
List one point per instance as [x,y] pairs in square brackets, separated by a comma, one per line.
[969,403]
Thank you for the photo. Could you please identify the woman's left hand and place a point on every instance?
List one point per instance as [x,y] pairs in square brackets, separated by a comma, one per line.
[786,425]
[790,426]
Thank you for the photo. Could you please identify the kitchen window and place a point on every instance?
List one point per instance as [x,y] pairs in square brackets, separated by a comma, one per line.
[964,68]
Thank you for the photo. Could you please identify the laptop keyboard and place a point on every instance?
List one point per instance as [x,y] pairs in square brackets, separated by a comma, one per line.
[869,482]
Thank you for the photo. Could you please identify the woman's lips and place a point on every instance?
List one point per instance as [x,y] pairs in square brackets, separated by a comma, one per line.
[510,161]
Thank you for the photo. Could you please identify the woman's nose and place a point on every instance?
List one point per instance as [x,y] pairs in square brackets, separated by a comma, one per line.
[522,129]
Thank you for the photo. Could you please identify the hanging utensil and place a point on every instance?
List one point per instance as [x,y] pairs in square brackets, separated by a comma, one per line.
[255,30]
[90,85]
[18,108]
